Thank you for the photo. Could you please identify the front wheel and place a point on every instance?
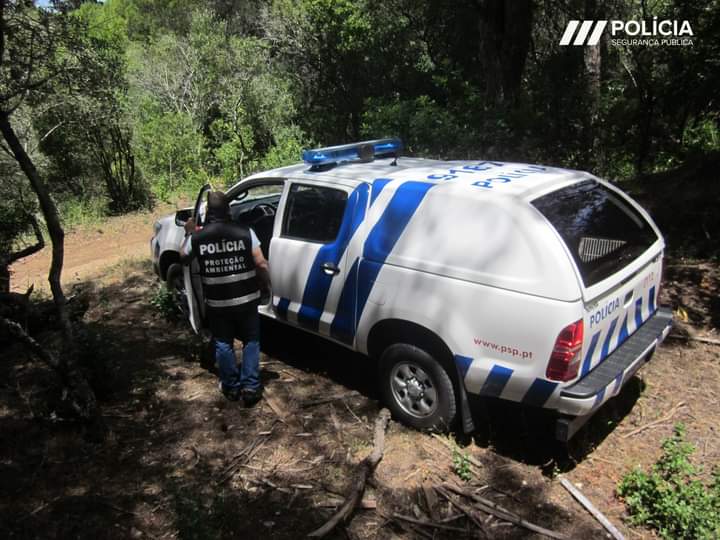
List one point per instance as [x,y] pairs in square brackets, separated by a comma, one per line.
[176,285]
[416,388]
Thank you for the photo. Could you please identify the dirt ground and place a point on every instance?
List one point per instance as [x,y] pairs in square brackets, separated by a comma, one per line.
[91,248]
[181,462]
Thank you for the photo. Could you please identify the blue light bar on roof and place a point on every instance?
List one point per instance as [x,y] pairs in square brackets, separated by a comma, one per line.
[359,151]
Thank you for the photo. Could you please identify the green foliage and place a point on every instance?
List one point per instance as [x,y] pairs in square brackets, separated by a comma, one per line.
[82,212]
[670,498]
[289,143]
[461,465]
[426,128]
[164,302]
[16,207]
[170,150]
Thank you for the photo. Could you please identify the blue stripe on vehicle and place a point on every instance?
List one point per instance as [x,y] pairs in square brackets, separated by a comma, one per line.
[343,324]
[539,392]
[599,397]
[606,345]
[282,307]
[318,282]
[463,364]
[588,356]
[651,301]
[377,186]
[496,381]
[638,313]
[622,336]
[384,234]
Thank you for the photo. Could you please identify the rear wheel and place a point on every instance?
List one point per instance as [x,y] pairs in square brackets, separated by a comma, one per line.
[416,388]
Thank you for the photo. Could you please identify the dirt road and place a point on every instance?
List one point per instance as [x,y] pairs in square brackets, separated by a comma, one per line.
[89,249]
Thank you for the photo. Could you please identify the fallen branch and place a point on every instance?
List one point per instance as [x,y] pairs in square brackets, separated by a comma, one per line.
[334,502]
[490,507]
[275,405]
[367,468]
[425,523]
[330,399]
[241,458]
[662,420]
[468,511]
[575,492]
[708,341]
[431,501]
[76,388]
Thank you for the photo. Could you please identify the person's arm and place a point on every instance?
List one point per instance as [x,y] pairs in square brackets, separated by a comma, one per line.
[261,268]
[186,247]
[261,265]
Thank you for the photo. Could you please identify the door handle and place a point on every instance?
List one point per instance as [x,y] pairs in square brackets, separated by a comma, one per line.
[330,269]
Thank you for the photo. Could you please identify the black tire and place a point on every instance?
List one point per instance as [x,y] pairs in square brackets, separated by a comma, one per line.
[176,285]
[416,388]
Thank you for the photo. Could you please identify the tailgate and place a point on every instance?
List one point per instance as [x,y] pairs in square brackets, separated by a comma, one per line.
[610,319]
[606,234]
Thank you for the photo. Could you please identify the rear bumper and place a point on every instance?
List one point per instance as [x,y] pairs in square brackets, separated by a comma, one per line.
[579,401]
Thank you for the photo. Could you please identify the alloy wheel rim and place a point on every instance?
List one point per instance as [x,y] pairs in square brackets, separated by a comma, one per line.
[413,389]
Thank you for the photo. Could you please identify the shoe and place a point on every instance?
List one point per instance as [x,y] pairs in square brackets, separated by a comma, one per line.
[250,397]
[207,354]
[231,394]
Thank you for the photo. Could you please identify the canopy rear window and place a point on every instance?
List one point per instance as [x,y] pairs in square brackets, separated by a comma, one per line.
[603,232]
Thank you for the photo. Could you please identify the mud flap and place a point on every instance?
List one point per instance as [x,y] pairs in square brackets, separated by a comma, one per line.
[567,426]
[468,425]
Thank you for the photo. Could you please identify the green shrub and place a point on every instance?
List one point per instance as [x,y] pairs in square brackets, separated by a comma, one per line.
[83,212]
[670,498]
[164,301]
[461,466]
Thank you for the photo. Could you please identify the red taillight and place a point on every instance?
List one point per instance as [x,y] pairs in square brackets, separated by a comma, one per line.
[565,358]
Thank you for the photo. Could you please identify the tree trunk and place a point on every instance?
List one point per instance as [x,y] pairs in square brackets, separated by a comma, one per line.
[83,398]
[505,31]
[52,220]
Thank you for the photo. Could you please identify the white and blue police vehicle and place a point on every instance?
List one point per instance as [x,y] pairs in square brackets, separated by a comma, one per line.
[522,282]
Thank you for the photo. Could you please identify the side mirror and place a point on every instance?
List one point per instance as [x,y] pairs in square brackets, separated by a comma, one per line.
[181,216]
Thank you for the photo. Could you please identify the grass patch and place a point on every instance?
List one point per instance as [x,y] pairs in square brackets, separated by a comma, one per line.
[671,498]
[76,213]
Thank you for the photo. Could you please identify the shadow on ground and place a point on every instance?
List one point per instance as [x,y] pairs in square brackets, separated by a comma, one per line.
[524,434]
[181,462]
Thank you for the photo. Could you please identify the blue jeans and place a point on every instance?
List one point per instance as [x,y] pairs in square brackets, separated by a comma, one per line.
[248,374]
[225,325]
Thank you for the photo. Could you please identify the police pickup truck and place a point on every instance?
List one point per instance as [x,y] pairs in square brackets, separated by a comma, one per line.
[522,282]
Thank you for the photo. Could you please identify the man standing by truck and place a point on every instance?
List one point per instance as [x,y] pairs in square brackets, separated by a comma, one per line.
[232,271]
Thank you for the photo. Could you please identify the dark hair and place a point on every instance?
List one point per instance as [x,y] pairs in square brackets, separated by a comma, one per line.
[217,205]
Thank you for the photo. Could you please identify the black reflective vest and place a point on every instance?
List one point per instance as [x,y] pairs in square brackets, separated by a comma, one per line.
[227,267]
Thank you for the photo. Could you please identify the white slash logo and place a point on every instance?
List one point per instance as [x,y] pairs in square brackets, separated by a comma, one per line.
[650,32]
[583,36]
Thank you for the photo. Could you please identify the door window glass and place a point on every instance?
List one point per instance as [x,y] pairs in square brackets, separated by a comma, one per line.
[314,213]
